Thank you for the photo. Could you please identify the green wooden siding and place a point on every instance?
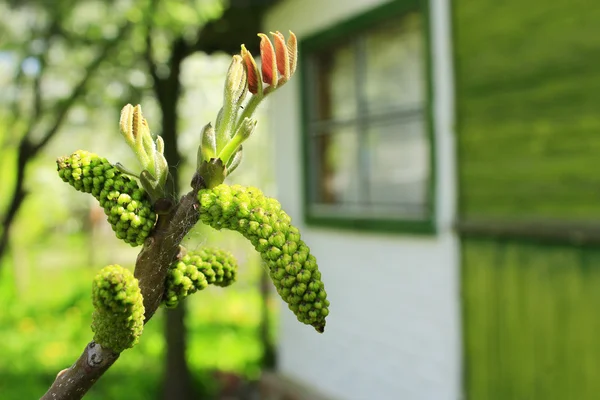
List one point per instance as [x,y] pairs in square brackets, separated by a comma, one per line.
[528,137]
[531,321]
[528,108]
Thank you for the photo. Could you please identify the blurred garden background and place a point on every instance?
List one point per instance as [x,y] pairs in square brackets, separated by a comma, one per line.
[438,156]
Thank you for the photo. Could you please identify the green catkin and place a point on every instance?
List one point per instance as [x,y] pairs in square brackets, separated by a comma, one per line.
[127,206]
[195,271]
[118,318]
[261,220]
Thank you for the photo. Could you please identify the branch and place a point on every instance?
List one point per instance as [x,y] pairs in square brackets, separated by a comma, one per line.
[159,252]
[73,383]
[36,112]
[162,248]
[37,107]
[17,198]
[15,111]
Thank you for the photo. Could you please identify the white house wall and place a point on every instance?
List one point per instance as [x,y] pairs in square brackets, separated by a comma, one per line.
[393,331]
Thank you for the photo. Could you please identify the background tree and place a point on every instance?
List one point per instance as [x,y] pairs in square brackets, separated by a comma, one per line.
[41,95]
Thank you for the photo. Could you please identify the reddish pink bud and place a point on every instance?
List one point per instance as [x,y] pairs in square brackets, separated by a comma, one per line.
[282,57]
[292,48]
[254,83]
[269,62]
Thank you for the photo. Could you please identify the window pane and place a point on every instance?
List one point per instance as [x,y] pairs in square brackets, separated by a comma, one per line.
[335,86]
[395,65]
[336,173]
[369,143]
[398,165]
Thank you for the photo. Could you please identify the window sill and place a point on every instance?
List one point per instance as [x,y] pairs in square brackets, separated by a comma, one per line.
[419,227]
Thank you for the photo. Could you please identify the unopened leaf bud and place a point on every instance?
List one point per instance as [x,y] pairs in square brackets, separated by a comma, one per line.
[253,74]
[292,47]
[282,57]
[236,82]
[269,61]
[208,144]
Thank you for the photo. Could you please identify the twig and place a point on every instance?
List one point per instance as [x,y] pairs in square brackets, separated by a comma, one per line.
[73,383]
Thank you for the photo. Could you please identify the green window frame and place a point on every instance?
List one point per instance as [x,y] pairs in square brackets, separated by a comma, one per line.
[354,31]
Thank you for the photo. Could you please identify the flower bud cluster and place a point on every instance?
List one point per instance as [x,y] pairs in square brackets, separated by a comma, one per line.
[234,123]
[261,220]
[148,150]
[195,271]
[127,206]
[118,318]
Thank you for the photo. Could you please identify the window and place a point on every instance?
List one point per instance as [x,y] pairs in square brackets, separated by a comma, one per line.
[368,142]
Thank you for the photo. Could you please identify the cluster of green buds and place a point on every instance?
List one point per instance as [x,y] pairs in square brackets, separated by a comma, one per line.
[118,318]
[127,206]
[195,271]
[234,122]
[148,149]
[261,220]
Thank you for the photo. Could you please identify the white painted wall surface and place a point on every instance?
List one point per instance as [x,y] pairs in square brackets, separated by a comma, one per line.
[393,331]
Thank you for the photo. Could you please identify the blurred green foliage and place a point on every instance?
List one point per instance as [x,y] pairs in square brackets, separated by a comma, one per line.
[531,320]
[527,87]
[45,326]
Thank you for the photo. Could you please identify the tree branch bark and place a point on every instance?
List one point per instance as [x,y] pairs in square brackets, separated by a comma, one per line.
[18,195]
[73,383]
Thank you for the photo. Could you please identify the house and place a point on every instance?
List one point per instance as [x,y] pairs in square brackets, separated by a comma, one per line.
[440,158]
[366,167]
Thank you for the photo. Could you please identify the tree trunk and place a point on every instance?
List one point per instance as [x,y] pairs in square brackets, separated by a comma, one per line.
[19,194]
[177,380]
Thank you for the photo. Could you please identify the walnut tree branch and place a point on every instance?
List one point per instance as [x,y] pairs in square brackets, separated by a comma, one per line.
[74,382]
[160,250]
